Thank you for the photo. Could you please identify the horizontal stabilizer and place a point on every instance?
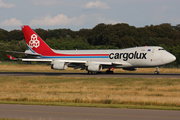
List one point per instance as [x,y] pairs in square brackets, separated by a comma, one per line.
[32,54]
[13,58]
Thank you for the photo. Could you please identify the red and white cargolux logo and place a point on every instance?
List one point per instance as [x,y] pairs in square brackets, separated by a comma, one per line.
[34,42]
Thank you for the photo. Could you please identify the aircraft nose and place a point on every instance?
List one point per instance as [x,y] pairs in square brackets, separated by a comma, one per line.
[168,57]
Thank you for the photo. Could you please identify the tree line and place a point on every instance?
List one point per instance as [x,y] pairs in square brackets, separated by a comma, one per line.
[102,36]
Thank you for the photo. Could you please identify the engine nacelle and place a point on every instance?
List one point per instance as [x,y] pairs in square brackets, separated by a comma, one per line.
[94,67]
[59,66]
[130,69]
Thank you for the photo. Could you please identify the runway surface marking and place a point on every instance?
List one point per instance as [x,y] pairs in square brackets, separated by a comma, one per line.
[90,114]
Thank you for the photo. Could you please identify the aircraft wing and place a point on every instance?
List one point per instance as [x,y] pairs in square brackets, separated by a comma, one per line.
[67,61]
[75,61]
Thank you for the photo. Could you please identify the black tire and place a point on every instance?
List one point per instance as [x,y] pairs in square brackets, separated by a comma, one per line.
[109,72]
[156,72]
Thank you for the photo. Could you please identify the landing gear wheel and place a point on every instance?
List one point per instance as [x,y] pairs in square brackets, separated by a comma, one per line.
[92,73]
[99,72]
[157,71]
[109,72]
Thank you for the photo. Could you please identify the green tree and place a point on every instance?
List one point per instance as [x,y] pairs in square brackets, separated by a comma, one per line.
[3,35]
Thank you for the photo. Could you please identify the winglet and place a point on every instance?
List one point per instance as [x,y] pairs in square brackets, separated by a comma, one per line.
[11,57]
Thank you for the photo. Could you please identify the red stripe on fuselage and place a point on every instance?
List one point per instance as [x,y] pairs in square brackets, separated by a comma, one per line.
[52,53]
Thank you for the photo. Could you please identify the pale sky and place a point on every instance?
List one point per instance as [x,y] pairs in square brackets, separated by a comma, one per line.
[78,14]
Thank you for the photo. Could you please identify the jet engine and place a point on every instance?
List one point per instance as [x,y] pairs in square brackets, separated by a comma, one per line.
[59,66]
[130,69]
[94,67]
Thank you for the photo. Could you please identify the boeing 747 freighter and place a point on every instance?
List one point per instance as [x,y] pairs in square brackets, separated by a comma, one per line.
[94,60]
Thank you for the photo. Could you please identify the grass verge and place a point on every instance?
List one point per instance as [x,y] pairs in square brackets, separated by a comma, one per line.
[141,93]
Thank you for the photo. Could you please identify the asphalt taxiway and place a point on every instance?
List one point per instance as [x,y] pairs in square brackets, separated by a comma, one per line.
[140,75]
[83,113]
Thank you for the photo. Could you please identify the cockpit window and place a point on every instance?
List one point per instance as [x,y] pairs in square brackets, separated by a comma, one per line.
[161,49]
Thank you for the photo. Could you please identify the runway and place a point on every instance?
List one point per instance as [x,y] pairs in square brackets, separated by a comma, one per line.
[140,75]
[82,113]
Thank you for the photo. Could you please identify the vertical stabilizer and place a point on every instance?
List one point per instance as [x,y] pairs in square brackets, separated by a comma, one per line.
[34,42]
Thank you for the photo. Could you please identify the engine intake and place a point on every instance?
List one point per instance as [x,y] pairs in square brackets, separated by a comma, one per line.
[59,66]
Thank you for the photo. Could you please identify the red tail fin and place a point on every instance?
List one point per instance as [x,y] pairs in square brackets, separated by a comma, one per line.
[11,57]
[34,42]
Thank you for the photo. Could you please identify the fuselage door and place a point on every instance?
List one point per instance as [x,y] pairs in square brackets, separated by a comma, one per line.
[156,56]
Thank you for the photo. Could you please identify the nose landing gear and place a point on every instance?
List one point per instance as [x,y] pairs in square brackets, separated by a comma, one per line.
[157,71]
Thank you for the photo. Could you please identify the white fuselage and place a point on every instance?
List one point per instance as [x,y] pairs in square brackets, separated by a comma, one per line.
[131,57]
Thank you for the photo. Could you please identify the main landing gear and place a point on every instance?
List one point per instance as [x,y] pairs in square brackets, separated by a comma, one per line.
[157,71]
[109,71]
[93,73]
